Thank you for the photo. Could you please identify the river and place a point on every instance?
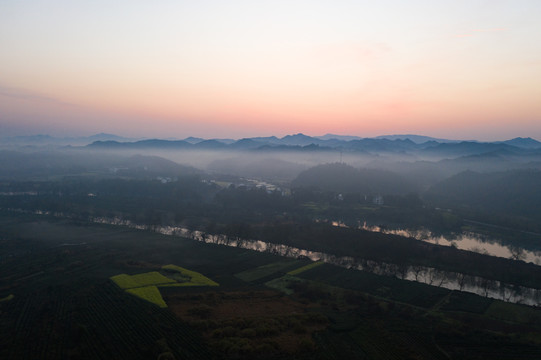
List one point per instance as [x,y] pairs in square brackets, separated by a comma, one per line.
[422,274]
[426,275]
[464,241]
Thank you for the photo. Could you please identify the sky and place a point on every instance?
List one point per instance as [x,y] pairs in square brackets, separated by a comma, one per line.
[213,68]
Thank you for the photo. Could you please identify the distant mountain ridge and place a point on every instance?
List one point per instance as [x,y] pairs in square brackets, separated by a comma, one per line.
[390,144]
[42,139]
[418,139]
[527,143]
[418,145]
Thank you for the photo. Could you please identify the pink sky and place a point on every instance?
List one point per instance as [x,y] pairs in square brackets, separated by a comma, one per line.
[138,68]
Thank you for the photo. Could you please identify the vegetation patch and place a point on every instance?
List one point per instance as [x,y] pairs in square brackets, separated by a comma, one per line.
[263,271]
[250,324]
[461,301]
[140,280]
[305,268]
[145,285]
[7,298]
[513,313]
[187,277]
[149,293]
[284,284]
[409,292]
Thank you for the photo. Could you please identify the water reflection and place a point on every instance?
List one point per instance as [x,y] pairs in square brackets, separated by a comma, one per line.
[465,241]
[426,275]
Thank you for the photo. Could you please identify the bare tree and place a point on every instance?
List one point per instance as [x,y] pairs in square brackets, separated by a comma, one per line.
[517,253]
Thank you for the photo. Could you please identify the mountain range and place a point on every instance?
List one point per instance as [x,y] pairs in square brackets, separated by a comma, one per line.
[393,144]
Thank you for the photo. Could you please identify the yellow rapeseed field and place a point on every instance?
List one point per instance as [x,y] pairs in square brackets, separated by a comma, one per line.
[149,293]
[305,267]
[196,279]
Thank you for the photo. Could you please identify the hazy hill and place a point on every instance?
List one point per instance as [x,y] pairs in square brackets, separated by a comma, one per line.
[515,192]
[418,139]
[527,143]
[44,140]
[382,145]
[299,139]
[245,144]
[143,144]
[264,168]
[209,144]
[154,166]
[338,137]
[465,148]
[54,164]
[347,179]
[193,140]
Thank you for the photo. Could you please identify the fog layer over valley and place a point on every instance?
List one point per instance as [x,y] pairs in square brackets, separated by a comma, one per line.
[399,182]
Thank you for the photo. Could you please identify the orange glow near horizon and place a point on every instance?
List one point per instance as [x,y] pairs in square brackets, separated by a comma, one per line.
[219,71]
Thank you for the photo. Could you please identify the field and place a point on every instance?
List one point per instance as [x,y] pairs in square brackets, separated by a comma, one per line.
[145,285]
[60,303]
[148,293]
[140,280]
[7,298]
[247,323]
[305,268]
[267,270]
[192,278]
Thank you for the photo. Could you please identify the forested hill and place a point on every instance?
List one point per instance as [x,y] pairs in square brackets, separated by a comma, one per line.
[340,177]
[37,165]
[515,192]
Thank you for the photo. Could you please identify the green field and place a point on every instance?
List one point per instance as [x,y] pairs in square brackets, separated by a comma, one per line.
[7,298]
[140,280]
[305,268]
[145,285]
[513,313]
[148,293]
[283,284]
[193,278]
[266,270]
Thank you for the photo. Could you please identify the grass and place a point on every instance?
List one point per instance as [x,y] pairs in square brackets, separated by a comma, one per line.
[461,301]
[305,268]
[140,280]
[149,293]
[409,292]
[283,284]
[513,312]
[265,270]
[7,298]
[124,281]
[196,279]
[144,286]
